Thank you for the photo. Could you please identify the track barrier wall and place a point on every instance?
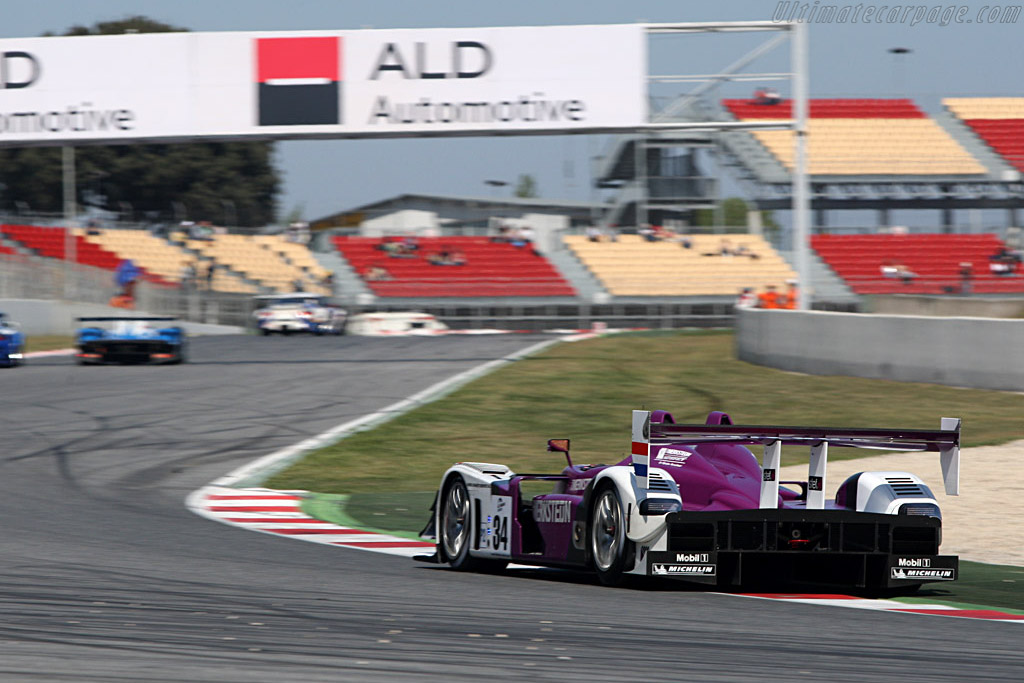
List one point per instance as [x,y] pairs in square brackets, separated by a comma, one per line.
[981,353]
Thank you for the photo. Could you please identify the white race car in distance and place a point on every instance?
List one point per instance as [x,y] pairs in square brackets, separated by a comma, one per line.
[298,312]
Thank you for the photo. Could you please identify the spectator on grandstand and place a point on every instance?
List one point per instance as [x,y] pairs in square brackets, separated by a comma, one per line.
[593,233]
[328,280]
[663,234]
[747,298]
[504,234]
[966,273]
[522,237]
[398,249]
[377,273]
[725,247]
[202,231]
[766,96]
[893,269]
[445,257]
[647,232]
[188,276]
[685,241]
[769,298]
[211,270]
[1004,262]
[410,243]
[744,250]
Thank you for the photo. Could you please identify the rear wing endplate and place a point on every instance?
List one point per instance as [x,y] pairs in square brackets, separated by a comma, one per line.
[945,441]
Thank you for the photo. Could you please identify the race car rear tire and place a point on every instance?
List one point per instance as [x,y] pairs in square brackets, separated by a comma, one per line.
[265,332]
[610,551]
[456,530]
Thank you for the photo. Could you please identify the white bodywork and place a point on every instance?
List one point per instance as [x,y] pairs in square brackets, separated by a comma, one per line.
[299,312]
[393,323]
[885,492]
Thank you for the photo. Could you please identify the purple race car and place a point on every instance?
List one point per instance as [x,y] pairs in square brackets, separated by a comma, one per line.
[693,503]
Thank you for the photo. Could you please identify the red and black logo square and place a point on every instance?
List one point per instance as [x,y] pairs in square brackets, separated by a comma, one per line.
[298,81]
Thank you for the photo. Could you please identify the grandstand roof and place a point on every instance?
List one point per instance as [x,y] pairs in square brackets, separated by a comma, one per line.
[459,207]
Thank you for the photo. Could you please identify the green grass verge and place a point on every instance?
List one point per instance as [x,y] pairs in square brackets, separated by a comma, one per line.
[47,342]
[979,586]
[585,391]
[389,513]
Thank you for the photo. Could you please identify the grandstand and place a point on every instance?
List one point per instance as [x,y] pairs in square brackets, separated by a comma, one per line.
[49,242]
[146,250]
[633,266]
[998,121]
[492,269]
[864,137]
[248,263]
[935,260]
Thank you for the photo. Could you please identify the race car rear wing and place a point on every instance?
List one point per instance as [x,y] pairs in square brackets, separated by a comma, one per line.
[945,441]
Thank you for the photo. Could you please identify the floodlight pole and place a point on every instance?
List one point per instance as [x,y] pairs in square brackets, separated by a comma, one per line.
[68,163]
[801,194]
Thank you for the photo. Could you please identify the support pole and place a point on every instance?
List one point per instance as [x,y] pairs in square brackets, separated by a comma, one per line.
[801,198]
[70,216]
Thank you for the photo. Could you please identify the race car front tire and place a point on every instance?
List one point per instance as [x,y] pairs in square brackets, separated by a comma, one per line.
[610,551]
[456,530]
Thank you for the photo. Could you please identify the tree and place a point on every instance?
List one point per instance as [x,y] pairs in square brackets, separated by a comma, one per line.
[212,181]
[733,213]
[526,186]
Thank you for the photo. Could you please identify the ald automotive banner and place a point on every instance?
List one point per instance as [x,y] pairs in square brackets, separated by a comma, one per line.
[322,84]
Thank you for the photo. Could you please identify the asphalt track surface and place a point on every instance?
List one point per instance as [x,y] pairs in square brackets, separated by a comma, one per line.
[105,576]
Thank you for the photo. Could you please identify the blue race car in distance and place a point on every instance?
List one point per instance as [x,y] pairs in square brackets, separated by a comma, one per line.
[129,340]
[12,343]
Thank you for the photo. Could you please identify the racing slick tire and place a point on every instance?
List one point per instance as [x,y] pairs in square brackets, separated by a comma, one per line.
[610,551]
[456,532]
[265,332]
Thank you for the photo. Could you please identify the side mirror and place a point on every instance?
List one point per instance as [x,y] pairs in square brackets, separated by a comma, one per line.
[560,446]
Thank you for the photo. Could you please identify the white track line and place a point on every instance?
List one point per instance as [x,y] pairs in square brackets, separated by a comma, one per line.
[237,499]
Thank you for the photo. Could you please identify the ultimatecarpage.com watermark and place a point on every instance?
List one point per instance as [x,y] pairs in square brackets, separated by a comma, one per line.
[912,15]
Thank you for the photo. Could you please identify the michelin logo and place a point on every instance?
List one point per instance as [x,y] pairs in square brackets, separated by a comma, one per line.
[683,569]
[927,574]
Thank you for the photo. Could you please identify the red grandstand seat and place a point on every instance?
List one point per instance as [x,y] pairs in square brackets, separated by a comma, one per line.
[491,269]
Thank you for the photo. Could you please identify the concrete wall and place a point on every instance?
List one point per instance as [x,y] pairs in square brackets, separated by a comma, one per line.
[965,352]
[42,316]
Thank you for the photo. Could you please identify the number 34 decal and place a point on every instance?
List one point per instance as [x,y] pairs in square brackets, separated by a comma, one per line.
[499,539]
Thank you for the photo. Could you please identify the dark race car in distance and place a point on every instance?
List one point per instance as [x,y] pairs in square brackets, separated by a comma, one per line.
[12,343]
[129,340]
[693,503]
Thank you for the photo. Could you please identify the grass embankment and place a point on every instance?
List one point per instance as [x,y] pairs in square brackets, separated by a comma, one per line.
[48,342]
[585,391]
